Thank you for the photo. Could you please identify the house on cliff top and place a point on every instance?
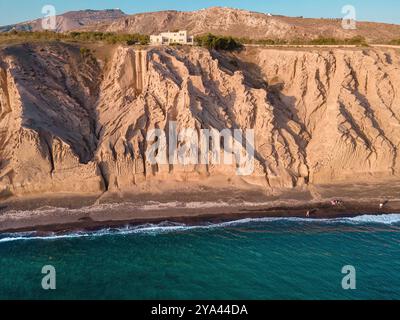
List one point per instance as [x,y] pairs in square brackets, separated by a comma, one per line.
[167,38]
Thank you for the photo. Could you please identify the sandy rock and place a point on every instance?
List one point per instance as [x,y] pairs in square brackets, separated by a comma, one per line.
[319,116]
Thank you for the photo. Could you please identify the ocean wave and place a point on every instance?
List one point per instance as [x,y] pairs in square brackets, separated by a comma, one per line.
[384,219]
[170,227]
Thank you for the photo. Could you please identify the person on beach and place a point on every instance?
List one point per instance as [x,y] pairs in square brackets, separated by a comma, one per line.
[383,204]
[336,203]
[310,212]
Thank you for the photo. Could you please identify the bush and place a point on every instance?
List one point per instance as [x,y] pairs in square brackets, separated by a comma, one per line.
[319,41]
[87,55]
[228,43]
[395,42]
[211,41]
[131,42]
[324,41]
[269,42]
[129,39]
[108,37]
[84,52]
[358,40]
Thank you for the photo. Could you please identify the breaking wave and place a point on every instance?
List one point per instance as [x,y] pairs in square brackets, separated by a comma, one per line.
[170,227]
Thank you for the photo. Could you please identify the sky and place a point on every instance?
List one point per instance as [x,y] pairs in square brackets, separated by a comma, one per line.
[13,11]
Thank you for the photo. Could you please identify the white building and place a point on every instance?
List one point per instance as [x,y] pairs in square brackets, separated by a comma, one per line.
[166,38]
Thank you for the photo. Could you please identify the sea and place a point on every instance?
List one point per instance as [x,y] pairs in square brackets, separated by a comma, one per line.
[269,258]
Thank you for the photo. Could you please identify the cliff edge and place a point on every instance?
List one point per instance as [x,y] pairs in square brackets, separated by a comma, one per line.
[76,123]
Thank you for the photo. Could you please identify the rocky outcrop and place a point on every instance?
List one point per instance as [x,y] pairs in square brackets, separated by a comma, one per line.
[48,120]
[319,116]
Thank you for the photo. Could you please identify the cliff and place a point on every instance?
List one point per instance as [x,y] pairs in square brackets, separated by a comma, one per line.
[73,123]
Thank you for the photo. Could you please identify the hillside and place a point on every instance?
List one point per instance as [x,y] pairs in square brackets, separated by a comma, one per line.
[243,23]
[70,20]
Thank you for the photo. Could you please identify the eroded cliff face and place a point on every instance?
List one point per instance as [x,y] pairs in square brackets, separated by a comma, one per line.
[319,116]
[48,120]
[345,105]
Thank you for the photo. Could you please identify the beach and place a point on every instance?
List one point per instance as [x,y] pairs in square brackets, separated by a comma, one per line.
[68,213]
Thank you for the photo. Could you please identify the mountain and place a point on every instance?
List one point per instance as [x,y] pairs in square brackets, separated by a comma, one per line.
[70,21]
[73,122]
[243,23]
[217,20]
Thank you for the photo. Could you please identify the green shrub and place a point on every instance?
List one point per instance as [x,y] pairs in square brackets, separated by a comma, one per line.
[87,55]
[211,41]
[84,52]
[131,42]
[395,42]
[269,42]
[107,37]
[358,40]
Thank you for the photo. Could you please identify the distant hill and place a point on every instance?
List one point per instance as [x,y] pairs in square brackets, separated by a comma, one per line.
[243,23]
[70,20]
[217,20]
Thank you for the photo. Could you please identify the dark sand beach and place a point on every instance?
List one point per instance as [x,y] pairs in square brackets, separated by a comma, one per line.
[66,213]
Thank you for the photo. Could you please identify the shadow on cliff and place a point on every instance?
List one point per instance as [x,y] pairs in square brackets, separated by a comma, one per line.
[284,107]
[285,111]
[60,87]
[217,110]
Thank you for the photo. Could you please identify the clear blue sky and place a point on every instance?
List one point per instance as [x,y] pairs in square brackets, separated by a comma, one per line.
[12,11]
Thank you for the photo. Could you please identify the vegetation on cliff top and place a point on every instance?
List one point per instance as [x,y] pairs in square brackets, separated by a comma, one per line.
[108,37]
[318,41]
[211,41]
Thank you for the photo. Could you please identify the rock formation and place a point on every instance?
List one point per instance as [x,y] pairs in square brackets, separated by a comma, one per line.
[72,123]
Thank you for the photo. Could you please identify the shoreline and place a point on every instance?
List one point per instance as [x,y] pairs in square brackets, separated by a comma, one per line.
[191,205]
[88,225]
[57,220]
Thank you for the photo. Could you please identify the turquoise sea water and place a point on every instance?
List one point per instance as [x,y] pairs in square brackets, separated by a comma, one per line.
[248,259]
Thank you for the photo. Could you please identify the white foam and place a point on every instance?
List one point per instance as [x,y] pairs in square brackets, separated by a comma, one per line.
[385,219]
[167,227]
